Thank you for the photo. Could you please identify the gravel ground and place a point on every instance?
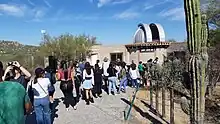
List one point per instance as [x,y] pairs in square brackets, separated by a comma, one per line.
[107,110]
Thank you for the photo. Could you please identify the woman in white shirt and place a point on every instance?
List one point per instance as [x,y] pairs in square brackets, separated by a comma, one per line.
[41,104]
[134,74]
[88,82]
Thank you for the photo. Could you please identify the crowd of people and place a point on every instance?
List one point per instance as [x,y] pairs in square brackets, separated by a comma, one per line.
[23,94]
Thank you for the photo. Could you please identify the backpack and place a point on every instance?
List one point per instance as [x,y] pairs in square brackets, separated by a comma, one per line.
[122,73]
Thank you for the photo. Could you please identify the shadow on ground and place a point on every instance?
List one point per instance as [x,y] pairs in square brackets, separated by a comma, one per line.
[31,118]
[154,111]
[142,113]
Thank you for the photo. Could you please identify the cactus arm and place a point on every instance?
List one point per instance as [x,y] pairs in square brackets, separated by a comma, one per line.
[191,22]
[188,27]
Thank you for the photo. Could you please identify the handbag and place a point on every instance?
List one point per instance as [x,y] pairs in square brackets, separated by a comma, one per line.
[43,89]
[31,92]
[74,92]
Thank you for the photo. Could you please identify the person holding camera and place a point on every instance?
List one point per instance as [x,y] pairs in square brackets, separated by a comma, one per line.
[17,73]
[14,103]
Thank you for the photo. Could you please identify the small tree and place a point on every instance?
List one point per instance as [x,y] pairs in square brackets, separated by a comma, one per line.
[67,46]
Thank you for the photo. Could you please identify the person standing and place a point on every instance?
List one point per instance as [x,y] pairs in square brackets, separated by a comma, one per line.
[124,78]
[52,78]
[105,73]
[66,85]
[134,75]
[88,81]
[98,80]
[19,73]
[141,71]
[40,86]
[14,101]
[112,78]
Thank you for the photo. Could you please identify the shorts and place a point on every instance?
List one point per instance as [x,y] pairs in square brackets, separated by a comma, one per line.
[87,84]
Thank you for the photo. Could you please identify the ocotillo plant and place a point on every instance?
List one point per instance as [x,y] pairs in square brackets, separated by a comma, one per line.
[196,39]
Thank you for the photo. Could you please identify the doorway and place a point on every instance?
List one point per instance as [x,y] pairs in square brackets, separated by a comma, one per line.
[115,56]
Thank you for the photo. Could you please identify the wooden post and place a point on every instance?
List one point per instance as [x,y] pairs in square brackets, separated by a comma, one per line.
[157,97]
[151,94]
[163,102]
[171,105]
[172,95]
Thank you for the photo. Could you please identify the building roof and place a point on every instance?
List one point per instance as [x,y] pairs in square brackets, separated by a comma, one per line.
[177,46]
[155,43]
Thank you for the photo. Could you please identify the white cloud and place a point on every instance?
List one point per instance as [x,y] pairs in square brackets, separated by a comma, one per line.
[22,10]
[174,13]
[47,3]
[148,5]
[127,14]
[105,2]
[31,3]
[13,9]
[121,1]
[39,13]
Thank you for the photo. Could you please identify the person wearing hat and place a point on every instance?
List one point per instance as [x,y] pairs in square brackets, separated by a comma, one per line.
[40,86]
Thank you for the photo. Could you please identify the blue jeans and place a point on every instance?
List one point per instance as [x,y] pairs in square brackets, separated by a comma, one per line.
[134,82]
[123,83]
[42,110]
[112,84]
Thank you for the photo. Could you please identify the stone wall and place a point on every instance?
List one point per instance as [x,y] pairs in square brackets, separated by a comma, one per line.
[100,52]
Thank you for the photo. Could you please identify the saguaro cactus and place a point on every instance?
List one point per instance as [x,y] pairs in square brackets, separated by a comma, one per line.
[197,39]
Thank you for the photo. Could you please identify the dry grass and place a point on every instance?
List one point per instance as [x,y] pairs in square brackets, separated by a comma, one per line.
[212,113]
[143,113]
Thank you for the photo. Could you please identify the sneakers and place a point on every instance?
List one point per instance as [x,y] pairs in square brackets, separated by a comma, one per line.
[100,95]
[87,102]
[91,100]
[74,107]
[67,109]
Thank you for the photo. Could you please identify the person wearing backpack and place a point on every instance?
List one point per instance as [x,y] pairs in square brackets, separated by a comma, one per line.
[124,78]
[66,85]
[50,75]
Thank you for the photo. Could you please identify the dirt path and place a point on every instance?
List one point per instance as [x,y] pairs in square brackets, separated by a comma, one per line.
[107,110]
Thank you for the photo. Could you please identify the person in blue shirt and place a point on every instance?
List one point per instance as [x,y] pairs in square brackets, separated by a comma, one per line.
[81,66]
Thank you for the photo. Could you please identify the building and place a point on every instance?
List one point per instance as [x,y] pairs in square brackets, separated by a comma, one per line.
[149,43]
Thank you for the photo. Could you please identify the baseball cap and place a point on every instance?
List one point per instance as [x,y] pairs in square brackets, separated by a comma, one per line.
[39,71]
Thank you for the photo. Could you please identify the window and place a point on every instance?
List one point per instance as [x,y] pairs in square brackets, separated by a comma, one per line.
[115,56]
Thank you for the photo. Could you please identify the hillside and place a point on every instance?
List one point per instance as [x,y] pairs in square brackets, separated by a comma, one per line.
[13,50]
[13,47]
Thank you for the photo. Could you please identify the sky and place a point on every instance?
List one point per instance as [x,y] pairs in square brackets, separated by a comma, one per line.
[111,21]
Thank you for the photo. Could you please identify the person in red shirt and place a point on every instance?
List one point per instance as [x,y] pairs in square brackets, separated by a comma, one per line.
[67,85]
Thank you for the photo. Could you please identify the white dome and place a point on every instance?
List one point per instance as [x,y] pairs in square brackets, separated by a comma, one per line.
[149,33]
[139,36]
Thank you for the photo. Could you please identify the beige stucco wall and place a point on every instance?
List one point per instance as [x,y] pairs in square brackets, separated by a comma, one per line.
[100,52]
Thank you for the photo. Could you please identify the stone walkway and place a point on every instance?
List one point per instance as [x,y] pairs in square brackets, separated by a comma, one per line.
[105,110]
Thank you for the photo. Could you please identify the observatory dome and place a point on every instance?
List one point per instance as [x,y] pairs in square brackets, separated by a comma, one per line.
[149,33]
